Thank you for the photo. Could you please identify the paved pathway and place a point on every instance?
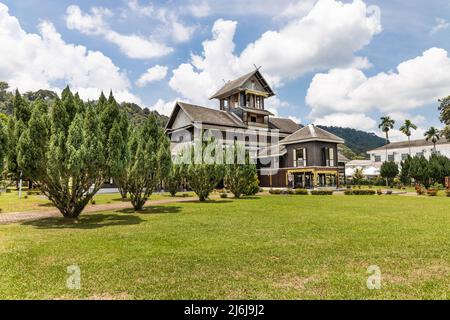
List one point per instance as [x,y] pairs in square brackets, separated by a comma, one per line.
[15,217]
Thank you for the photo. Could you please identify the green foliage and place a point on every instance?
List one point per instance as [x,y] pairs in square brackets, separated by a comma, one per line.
[253,185]
[358,176]
[444,109]
[419,170]
[3,143]
[238,177]
[360,192]
[322,192]
[357,141]
[389,170]
[149,161]
[434,135]
[405,177]
[439,168]
[64,151]
[202,170]
[174,179]
[302,192]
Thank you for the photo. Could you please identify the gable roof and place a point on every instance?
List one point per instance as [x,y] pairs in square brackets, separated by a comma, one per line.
[311,133]
[205,115]
[236,84]
[283,124]
[414,143]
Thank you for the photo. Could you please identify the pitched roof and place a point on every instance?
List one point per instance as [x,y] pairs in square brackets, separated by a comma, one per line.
[311,133]
[342,158]
[414,143]
[207,115]
[230,86]
[283,124]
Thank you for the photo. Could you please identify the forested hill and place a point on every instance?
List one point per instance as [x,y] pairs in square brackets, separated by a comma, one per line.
[359,142]
[135,112]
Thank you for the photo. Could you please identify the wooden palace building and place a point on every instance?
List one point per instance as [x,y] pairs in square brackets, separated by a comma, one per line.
[304,157]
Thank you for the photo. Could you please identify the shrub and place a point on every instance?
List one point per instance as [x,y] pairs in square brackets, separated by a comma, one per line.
[432,192]
[388,192]
[289,191]
[447,192]
[364,192]
[224,195]
[322,193]
[301,191]
[185,195]
[93,202]
[361,192]
[8,190]
[275,191]
[419,190]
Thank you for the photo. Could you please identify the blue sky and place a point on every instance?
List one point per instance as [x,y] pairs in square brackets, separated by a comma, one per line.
[330,62]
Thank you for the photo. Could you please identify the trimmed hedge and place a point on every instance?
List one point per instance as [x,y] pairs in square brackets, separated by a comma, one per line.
[322,193]
[275,191]
[360,192]
[302,192]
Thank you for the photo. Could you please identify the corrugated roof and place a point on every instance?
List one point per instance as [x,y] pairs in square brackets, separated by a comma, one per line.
[283,124]
[311,132]
[414,143]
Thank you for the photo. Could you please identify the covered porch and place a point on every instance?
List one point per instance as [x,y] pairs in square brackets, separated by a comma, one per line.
[310,178]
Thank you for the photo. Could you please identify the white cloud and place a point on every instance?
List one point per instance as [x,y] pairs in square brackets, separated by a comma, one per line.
[396,135]
[347,120]
[155,73]
[295,119]
[297,9]
[415,83]
[30,61]
[441,24]
[93,23]
[169,17]
[164,107]
[327,37]
[199,9]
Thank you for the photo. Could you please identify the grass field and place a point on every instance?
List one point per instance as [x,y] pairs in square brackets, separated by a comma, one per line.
[267,247]
[10,202]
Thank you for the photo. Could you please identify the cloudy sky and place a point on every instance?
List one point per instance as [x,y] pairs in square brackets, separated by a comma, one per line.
[343,63]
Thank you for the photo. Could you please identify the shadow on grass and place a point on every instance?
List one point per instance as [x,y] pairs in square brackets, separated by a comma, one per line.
[46,205]
[248,198]
[87,221]
[153,210]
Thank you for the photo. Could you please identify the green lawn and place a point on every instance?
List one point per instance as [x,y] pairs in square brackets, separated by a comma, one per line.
[10,202]
[268,247]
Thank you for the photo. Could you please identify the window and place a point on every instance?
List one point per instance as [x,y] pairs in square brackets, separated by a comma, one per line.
[419,154]
[391,157]
[331,157]
[404,156]
[377,158]
[300,157]
[258,102]
[328,157]
[248,100]
[252,119]
[180,139]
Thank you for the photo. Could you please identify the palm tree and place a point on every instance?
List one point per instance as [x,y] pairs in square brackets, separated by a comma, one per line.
[406,130]
[434,135]
[385,125]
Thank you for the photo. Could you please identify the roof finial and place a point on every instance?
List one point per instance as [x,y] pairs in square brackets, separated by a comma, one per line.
[224,81]
[256,67]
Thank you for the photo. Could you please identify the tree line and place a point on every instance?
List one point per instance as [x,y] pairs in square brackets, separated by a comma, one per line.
[423,171]
[69,148]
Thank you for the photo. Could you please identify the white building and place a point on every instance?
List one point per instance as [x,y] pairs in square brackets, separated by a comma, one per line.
[368,167]
[398,151]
